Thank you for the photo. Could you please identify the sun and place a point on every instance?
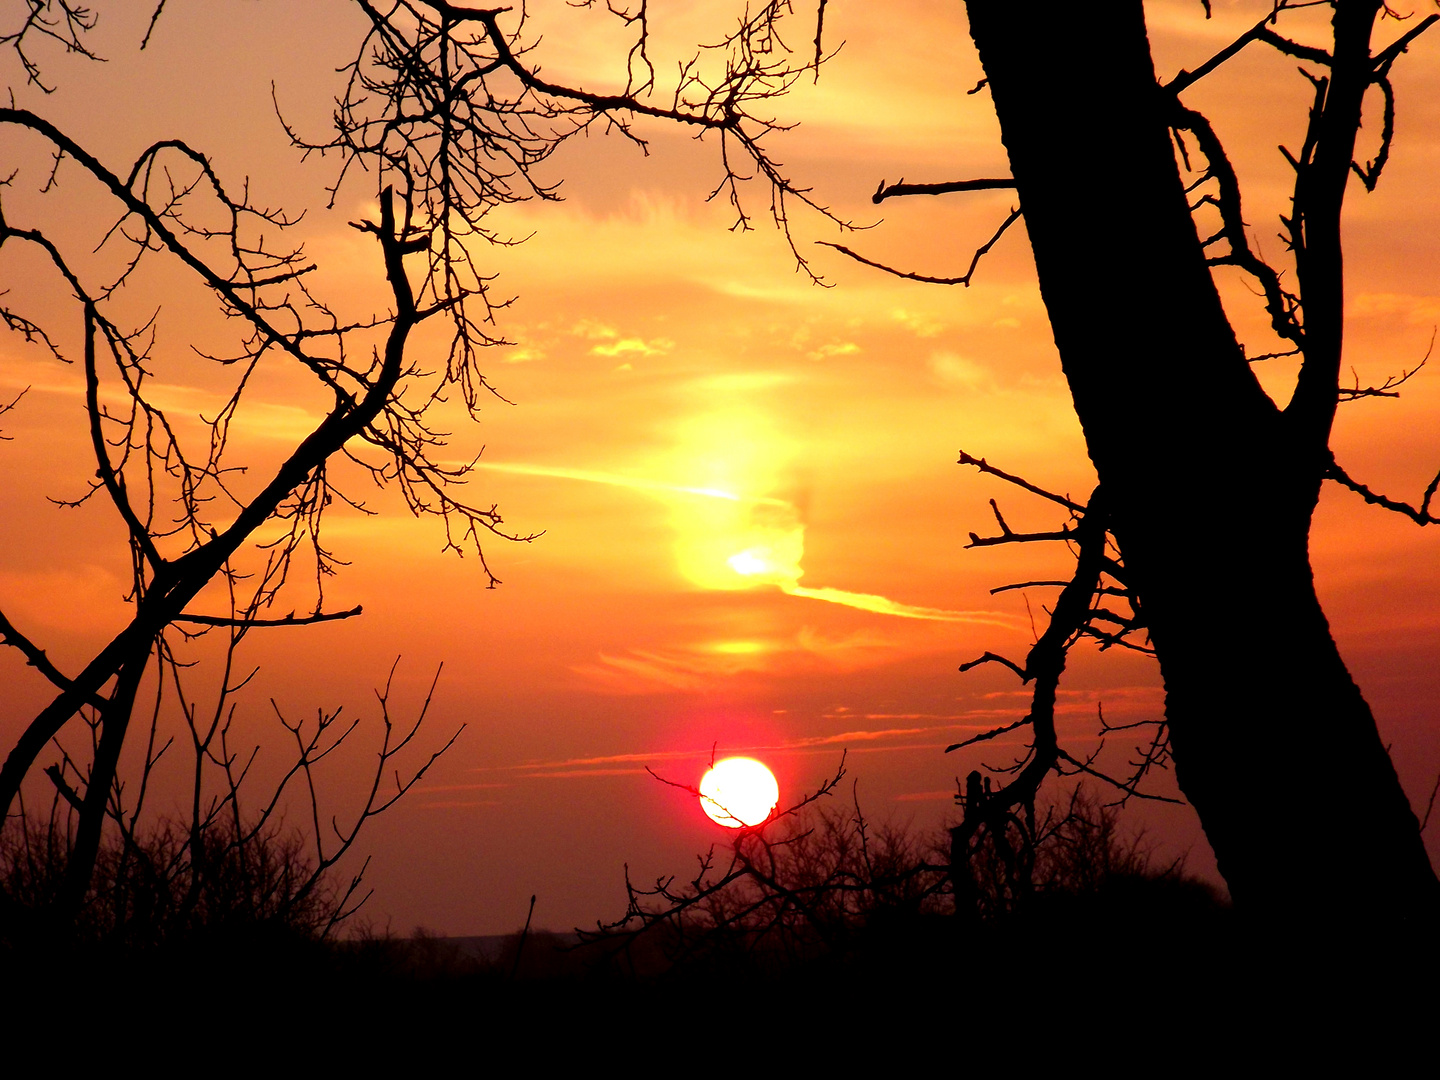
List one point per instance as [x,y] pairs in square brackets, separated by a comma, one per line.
[738,791]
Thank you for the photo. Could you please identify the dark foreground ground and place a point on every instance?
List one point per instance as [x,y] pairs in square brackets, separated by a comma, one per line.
[1119,986]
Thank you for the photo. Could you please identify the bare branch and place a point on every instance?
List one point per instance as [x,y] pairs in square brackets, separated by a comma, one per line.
[1010,478]
[901,188]
[289,620]
[1390,387]
[1185,79]
[1421,514]
[1387,56]
[964,280]
[1430,805]
[994,658]
[36,658]
[1126,786]
[994,733]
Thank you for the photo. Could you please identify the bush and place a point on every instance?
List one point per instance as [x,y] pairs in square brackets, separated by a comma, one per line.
[820,886]
[167,886]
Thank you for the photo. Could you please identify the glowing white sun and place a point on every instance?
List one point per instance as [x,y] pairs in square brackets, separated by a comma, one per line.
[739,791]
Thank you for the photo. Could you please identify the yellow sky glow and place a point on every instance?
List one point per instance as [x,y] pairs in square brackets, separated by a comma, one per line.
[775,544]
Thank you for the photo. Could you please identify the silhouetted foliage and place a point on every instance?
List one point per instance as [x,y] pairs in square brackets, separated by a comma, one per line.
[816,885]
[236,866]
[153,892]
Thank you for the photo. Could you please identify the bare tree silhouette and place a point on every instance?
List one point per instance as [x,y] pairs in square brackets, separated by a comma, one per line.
[233,866]
[197,531]
[444,113]
[1204,477]
[1182,434]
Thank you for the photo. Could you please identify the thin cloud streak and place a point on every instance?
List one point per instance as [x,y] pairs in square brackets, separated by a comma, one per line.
[881,605]
[570,774]
[790,586]
[596,766]
[615,480]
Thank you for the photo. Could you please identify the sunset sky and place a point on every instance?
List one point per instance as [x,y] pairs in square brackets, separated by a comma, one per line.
[753,523]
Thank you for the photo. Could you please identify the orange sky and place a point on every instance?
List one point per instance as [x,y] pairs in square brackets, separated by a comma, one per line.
[753,519]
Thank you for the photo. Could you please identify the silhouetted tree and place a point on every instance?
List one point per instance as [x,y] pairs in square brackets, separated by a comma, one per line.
[1186,442]
[1204,478]
[198,534]
[442,111]
[233,866]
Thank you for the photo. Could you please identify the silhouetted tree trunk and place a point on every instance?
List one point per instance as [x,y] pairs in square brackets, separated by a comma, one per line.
[1211,485]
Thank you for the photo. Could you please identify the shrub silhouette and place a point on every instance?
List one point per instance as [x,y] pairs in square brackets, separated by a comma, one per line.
[158,889]
[818,886]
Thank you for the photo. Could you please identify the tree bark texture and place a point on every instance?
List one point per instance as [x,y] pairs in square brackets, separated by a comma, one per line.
[1211,486]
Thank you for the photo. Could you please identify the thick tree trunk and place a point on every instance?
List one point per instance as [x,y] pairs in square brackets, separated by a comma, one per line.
[1211,487]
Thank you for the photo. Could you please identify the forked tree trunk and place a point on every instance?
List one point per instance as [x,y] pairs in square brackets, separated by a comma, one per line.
[1212,487]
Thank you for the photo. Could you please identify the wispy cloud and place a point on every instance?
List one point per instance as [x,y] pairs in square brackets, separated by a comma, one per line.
[882,605]
[635,346]
[571,774]
[589,476]
[773,561]
[879,740]
[698,665]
